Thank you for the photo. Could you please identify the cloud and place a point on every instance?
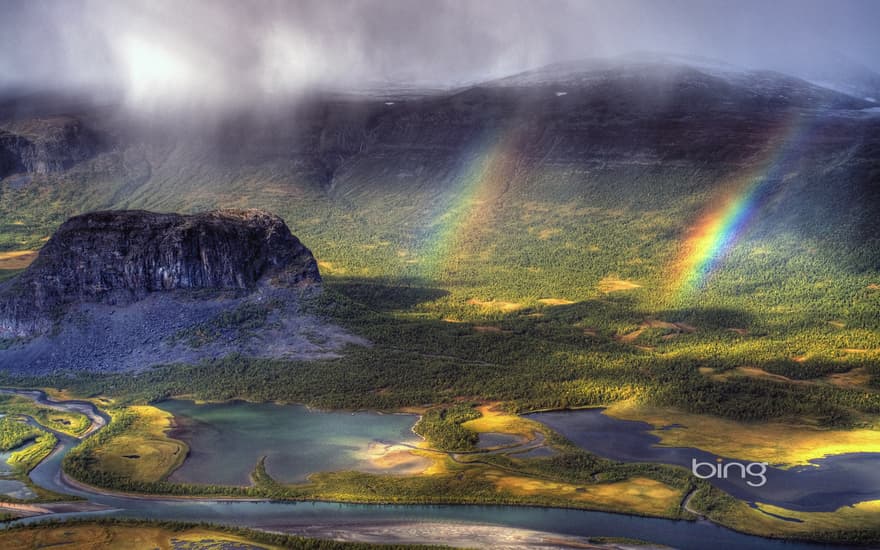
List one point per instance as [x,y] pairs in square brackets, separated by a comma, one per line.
[217,52]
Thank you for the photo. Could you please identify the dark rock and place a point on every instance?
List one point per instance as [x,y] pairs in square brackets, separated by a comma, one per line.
[45,145]
[117,257]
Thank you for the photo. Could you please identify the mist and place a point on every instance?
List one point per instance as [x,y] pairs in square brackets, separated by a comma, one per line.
[156,53]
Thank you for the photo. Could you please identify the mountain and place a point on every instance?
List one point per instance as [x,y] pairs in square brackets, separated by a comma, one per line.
[837,71]
[121,256]
[552,184]
[44,145]
[206,273]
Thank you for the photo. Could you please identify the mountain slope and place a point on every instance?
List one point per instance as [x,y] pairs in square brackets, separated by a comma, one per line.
[548,222]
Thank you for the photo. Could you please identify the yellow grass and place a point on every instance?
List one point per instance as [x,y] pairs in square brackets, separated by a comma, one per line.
[864,515]
[113,537]
[396,459]
[638,494]
[613,284]
[66,395]
[853,379]
[545,234]
[656,323]
[330,267]
[144,452]
[495,305]
[774,442]
[19,259]
[495,420]
[555,301]
[761,373]
[631,336]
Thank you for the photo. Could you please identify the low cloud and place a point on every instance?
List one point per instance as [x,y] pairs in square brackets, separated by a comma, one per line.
[219,52]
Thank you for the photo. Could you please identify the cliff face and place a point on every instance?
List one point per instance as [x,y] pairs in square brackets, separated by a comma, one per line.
[118,257]
[45,145]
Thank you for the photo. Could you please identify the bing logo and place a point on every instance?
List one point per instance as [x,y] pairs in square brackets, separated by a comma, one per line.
[750,472]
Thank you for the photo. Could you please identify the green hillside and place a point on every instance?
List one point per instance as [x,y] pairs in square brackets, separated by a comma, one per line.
[545,260]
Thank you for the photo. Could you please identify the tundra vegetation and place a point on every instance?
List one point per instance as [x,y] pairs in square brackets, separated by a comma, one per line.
[554,284]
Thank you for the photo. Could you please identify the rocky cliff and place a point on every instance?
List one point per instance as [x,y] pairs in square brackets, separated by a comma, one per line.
[117,257]
[45,145]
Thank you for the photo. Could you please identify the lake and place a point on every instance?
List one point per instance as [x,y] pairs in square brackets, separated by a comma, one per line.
[826,485]
[227,439]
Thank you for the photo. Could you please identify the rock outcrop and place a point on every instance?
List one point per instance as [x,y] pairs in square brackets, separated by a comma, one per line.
[45,145]
[117,257]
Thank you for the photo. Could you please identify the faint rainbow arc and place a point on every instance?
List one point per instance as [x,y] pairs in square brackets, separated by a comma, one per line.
[483,169]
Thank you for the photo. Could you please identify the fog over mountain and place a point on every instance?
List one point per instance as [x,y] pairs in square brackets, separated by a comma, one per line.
[225,52]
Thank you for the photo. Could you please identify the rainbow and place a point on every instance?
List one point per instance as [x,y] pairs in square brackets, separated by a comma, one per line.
[730,212]
[480,180]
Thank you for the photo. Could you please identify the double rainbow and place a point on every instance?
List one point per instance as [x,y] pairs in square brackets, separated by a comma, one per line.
[499,157]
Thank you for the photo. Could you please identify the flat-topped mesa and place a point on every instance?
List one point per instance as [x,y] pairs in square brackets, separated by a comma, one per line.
[121,256]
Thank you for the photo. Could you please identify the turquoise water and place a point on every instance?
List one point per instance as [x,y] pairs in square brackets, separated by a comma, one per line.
[227,439]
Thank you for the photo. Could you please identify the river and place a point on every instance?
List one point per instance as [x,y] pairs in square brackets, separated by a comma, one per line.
[463,525]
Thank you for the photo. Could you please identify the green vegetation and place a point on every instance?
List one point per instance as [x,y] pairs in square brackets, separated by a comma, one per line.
[71,423]
[555,288]
[28,458]
[442,428]
[537,297]
[14,433]
[137,448]
[31,446]
[7,516]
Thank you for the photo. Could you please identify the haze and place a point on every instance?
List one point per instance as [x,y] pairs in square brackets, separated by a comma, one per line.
[218,52]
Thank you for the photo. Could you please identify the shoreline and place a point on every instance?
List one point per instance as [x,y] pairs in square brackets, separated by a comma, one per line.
[110,493]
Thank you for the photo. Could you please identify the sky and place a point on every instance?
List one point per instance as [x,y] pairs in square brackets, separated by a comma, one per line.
[222,51]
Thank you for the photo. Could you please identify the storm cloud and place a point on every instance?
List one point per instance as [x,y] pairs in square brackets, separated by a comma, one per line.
[222,51]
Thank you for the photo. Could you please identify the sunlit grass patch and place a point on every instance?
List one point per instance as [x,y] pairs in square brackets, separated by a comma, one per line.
[495,305]
[495,420]
[143,452]
[613,284]
[856,378]
[19,259]
[773,442]
[555,301]
[640,495]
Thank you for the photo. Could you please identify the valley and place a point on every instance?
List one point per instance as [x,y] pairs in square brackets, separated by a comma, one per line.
[703,259]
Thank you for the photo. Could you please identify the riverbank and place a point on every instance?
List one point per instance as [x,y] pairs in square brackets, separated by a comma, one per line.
[523,514]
